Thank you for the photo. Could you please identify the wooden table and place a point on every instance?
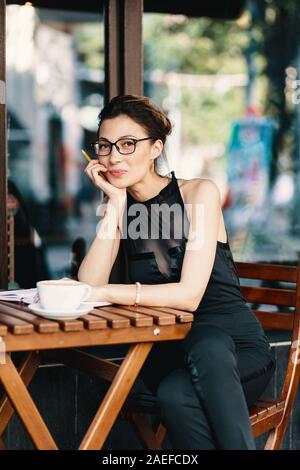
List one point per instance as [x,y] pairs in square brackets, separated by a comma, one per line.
[48,340]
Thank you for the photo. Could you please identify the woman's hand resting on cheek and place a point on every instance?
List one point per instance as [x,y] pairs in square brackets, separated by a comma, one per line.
[114,196]
[113,193]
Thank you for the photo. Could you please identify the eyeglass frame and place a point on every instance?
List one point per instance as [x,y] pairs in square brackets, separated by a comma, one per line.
[115,144]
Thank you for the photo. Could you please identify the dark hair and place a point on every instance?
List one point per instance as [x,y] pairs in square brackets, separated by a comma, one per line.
[142,110]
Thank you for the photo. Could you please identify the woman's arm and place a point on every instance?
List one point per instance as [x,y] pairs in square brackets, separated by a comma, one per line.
[203,204]
[96,267]
[157,295]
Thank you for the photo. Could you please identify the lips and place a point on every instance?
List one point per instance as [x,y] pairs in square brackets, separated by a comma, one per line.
[117,172]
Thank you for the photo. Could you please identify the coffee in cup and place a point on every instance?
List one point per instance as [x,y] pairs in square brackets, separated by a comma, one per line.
[59,295]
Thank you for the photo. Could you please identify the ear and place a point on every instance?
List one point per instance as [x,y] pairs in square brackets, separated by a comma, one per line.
[157,148]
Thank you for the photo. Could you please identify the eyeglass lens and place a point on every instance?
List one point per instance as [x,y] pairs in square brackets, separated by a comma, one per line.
[124,146]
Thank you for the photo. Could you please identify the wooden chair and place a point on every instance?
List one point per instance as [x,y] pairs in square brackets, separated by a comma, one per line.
[269,415]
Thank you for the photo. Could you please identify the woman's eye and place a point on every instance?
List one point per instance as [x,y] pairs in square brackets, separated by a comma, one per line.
[127,143]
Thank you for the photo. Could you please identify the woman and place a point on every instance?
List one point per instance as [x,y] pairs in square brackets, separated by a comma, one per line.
[205,383]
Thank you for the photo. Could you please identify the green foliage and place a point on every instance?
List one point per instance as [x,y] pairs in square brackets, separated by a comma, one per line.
[89,40]
[198,47]
[184,45]
[189,45]
[207,117]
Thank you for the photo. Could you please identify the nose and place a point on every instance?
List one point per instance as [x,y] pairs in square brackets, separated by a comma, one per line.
[115,156]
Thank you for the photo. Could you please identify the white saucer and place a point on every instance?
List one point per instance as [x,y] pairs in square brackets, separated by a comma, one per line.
[100,303]
[83,309]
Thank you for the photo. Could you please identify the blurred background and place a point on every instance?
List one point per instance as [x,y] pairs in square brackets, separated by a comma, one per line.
[230,88]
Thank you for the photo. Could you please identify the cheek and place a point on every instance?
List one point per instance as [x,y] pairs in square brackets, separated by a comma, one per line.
[138,165]
[143,159]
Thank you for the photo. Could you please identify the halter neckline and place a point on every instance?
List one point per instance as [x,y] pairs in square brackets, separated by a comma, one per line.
[166,190]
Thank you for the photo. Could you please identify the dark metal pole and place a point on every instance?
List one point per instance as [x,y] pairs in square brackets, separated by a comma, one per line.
[113,64]
[133,47]
[3,154]
[123,47]
[123,21]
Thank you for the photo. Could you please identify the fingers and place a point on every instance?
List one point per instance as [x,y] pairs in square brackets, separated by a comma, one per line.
[93,169]
[92,165]
[98,177]
[97,168]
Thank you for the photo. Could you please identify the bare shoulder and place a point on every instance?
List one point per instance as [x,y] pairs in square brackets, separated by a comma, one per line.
[192,188]
[196,189]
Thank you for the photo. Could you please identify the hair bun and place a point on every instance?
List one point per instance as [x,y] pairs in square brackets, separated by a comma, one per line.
[167,124]
[142,110]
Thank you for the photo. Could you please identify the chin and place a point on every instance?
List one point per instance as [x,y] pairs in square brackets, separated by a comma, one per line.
[119,184]
[123,182]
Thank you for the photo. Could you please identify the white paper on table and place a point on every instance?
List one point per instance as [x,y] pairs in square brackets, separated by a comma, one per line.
[19,295]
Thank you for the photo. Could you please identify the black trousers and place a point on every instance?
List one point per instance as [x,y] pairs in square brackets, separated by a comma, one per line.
[205,383]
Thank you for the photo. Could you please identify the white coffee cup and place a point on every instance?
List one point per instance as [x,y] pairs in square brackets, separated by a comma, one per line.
[62,295]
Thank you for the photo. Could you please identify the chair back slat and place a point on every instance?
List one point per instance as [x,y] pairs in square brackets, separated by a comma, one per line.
[268,272]
[278,296]
[269,296]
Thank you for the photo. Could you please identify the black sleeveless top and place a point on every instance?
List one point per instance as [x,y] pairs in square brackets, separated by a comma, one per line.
[156,257]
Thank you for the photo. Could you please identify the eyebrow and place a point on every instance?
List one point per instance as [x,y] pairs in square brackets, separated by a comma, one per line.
[122,137]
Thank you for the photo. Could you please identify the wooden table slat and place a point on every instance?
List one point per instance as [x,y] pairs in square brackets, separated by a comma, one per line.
[92,322]
[70,325]
[136,319]
[160,318]
[15,325]
[113,320]
[181,317]
[41,324]
[3,330]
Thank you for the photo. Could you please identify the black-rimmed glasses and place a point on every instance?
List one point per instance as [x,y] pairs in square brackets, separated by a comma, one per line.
[125,146]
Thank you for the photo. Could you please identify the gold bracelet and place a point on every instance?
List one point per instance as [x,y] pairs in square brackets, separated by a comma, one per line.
[138,294]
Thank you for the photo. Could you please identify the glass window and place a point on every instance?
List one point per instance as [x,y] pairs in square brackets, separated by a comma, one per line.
[55,83]
[215,79]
